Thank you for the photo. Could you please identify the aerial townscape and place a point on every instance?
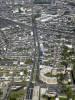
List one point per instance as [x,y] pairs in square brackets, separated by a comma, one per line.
[37,49]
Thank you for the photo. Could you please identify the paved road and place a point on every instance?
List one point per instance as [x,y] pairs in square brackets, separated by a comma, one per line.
[7,92]
[8,89]
[29,91]
[35,69]
[36,93]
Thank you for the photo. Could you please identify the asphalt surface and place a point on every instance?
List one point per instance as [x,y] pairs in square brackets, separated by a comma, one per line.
[29,91]
[35,69]
[7,92]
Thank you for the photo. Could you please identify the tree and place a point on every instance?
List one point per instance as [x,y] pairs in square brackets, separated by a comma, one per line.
[28,61]
[67,55]
[19,9]
[12,98]
[60,78]
[69,92]
[25,72]
[1,92]
[64,63]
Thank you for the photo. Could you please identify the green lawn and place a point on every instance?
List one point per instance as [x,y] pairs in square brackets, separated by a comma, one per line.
[50,75]
[73,97]
[62,98]
[28,61]
[17,95]
[52,98]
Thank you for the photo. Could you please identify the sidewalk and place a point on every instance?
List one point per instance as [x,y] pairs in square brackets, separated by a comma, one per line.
[36,93]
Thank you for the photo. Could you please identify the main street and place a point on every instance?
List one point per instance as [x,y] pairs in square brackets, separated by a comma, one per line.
[35,69]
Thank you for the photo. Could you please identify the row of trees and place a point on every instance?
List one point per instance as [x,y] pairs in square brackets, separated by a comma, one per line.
[68,58]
